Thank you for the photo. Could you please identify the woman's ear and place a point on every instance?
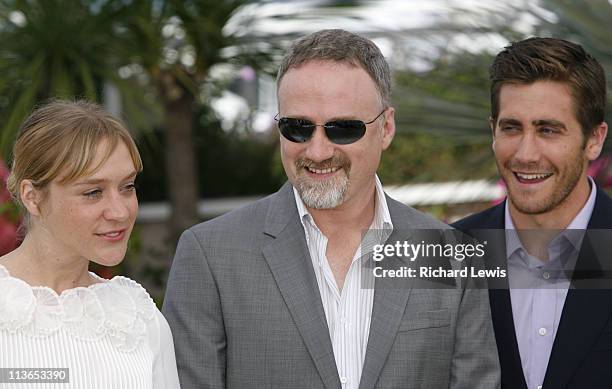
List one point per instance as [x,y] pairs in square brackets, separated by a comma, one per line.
[31,197]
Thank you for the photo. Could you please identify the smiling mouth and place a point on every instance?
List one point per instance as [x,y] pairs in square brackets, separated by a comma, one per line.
[531,178]
[112,235]
[322,171]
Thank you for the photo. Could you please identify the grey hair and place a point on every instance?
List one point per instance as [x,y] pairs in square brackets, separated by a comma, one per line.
[340,46]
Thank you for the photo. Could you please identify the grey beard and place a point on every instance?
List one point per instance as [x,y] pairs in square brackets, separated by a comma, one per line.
[324,194]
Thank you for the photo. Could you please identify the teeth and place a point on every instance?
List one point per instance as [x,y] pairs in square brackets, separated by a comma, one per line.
[533,176]
[323,171]
[112,234]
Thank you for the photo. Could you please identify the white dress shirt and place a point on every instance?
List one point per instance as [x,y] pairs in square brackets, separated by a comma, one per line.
[348,311]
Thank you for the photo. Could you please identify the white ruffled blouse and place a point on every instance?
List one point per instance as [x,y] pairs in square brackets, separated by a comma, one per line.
[109,335]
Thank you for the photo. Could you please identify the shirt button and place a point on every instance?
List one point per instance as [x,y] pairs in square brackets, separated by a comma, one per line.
[546,275]
[342,319]
[539,386]
[343,380]
[542,331]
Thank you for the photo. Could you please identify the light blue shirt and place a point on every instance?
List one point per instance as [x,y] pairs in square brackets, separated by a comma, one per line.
[538,289]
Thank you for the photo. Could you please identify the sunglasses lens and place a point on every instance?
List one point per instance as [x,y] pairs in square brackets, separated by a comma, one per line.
[344,132]
[341,132]
[295,130]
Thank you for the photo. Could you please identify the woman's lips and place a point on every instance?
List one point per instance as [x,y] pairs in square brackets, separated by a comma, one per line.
[113,236]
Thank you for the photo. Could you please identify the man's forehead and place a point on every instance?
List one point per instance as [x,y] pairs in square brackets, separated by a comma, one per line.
[342,83]
[348,62]
[319,66]
[536,88]
[546,97]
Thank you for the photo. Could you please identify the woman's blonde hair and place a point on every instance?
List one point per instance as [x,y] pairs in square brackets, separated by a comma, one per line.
[59,141]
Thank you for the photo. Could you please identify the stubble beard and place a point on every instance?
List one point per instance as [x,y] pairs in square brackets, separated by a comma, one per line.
[560,191]
[323,194]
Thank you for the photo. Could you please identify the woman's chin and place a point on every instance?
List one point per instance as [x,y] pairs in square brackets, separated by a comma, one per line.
[109,260]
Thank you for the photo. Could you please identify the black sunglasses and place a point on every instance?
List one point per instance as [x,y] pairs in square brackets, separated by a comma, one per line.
[341,132]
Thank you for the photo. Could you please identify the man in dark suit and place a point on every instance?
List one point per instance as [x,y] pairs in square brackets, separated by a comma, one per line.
[553,318]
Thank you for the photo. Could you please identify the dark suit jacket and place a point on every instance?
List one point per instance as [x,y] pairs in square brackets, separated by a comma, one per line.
[581,356]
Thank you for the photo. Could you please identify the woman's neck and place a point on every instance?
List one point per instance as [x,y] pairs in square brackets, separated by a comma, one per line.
[40,262]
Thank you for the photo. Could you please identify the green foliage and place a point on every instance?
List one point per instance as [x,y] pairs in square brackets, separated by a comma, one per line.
[584,22]
[181,39]
[229,163]
[236,165]
[427,158]
[52,48]
[9,211]
[442,130]
[451,99]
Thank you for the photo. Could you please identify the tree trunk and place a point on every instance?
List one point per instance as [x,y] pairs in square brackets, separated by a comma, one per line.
[181,168]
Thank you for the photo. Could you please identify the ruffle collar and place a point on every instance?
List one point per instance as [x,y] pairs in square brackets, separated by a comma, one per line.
[119,308]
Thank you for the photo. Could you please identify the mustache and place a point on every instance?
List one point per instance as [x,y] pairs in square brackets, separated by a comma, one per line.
[528,167]
[335,161]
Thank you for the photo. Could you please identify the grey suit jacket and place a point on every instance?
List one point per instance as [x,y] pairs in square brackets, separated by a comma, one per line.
[245,311]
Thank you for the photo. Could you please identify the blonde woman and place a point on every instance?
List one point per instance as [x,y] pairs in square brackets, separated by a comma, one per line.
[73,173]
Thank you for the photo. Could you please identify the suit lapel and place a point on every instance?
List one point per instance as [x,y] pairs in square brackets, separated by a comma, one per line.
[505,335]
[586,311]
[390,300]
[501,313]
[289,260]
[490,227]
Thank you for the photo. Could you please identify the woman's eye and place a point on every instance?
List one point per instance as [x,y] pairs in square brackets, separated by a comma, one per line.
[130,187]
[93,194]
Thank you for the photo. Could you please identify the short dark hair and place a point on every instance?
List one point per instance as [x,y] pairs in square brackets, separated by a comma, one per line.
[541,59]
[340,46]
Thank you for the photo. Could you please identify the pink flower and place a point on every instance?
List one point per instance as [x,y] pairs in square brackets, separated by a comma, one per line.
[4,173]
[8,229]
[8,236]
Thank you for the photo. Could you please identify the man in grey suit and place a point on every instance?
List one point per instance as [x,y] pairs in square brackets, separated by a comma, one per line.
[277,294]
